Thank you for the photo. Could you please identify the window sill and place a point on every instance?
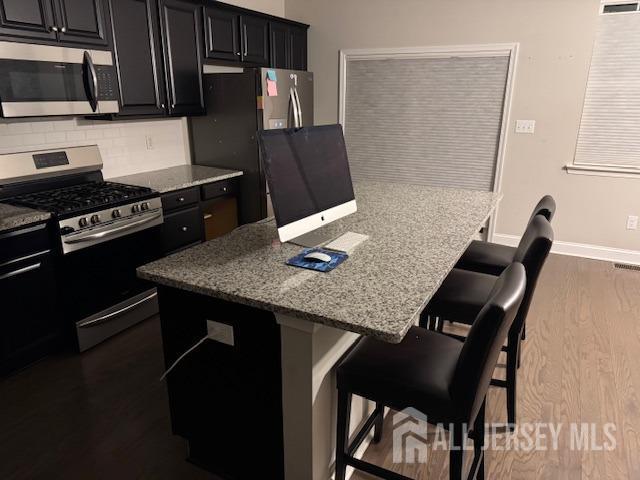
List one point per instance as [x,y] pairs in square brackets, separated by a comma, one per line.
[603,171]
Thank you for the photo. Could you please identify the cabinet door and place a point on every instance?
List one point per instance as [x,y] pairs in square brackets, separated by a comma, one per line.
[298,39]
[255,40]
[279,45]
[28,19]
[222,35]
[182,35]
[138,56]
[81,21]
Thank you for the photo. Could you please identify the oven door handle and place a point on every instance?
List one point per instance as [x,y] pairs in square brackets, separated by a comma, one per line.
[108,316]
[108,233]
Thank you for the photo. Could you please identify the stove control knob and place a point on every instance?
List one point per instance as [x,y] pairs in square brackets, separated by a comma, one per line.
[116,213]
[145,206]
[135,209]
[95,219]
[83,222]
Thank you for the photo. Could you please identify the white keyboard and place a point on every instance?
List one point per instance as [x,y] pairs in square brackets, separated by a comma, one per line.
[347,242]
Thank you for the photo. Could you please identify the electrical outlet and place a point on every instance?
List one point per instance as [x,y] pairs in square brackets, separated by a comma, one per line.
[632,222]
[220,332]
[525,126]
[149,141]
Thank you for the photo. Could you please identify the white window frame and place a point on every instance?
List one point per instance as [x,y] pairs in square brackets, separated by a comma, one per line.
[445,51]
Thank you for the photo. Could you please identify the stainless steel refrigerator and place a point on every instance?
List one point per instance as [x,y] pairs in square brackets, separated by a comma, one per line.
[238,105]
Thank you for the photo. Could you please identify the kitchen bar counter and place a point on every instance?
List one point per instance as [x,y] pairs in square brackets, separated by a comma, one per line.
[416,236]
[179,177]
[274,332]
[14,217]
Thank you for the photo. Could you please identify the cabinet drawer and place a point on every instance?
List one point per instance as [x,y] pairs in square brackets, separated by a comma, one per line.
[22,243]
[180,199]
[181,229]
[218,189]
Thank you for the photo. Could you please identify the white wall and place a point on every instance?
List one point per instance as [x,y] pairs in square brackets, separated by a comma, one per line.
[123,144]
[556,39]
[272,7]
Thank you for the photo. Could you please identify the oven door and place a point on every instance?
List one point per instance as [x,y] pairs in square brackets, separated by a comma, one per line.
[99,288]
[42,80]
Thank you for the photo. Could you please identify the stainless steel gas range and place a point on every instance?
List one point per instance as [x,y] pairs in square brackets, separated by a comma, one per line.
[103,231]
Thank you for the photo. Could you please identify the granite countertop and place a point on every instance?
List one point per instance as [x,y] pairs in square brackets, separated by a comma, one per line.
[13,217]
[176,178]
[416,236]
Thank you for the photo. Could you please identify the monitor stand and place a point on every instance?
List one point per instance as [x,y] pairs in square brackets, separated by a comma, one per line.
[314,238]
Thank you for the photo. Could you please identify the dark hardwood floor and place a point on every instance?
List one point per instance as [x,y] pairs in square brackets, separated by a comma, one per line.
[99,415]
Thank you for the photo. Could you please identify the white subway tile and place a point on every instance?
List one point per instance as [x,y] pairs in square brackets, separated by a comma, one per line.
[94,134]
[75,135]
[18,128]
[64,125]
[42,127]
[34,139]
[55,137]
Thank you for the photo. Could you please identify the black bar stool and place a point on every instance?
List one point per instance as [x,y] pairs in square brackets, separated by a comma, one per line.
[493,258]
[463,294]
[442,377]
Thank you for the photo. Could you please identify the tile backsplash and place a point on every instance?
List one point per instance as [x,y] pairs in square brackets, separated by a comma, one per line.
[126,147]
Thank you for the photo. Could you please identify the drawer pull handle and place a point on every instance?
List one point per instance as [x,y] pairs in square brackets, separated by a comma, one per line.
[181,199]
[224,189]
[208,216]
[184,229]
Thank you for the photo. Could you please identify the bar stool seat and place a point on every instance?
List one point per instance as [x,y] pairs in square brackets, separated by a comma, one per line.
[380,370]
[486,257]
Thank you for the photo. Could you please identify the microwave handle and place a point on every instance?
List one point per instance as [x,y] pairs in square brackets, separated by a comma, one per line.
[90,80]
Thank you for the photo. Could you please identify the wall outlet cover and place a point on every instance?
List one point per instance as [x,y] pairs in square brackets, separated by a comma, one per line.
[525,126]
[220,332]
[632,222]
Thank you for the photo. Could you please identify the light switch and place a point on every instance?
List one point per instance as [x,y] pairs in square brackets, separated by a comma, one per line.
[525,126]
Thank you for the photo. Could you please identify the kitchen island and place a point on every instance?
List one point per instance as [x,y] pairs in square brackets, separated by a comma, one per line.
[267,381]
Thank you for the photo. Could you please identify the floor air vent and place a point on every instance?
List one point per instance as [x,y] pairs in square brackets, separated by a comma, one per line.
[627,266]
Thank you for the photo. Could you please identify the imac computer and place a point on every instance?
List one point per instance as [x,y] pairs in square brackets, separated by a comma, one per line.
[309,180]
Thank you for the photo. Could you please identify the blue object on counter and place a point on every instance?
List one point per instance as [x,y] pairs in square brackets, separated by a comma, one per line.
[336,259]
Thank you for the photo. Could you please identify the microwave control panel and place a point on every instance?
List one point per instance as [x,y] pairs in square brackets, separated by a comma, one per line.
[107,83]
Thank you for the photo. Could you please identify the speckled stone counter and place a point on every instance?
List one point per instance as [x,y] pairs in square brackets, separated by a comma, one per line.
[14,217]
[416,236]
[175,178]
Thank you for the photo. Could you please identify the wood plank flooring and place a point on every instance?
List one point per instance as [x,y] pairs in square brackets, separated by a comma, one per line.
[581,363]
[104,414]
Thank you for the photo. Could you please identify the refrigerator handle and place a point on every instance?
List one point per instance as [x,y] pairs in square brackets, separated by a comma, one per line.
[294,106]
[298,106]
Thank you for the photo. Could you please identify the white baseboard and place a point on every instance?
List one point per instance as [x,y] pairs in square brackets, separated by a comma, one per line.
[596,252]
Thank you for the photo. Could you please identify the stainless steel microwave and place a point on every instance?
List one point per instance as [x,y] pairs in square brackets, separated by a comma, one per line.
[42,80]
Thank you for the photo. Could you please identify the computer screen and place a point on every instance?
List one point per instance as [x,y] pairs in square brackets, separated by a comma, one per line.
[307,170]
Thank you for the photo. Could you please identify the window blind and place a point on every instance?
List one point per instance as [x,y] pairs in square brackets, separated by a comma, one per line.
[429,121]
[610,126]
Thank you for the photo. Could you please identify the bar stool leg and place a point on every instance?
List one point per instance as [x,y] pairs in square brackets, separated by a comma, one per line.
[456,454]
[478,439]
[377,427]
[512,374]
[342,441]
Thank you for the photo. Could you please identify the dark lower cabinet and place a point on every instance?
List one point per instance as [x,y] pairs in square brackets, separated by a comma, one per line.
[182,42]
[81,22]
[138,57]
[222,39]
[28,324]
[254,32]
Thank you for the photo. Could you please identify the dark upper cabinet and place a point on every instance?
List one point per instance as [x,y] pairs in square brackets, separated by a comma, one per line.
[288,46]
[280,45]
[81,21]
[298,48]
[222,39]
[138,56]
[72,22]
[182,39]
[27,18]
[254,33]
